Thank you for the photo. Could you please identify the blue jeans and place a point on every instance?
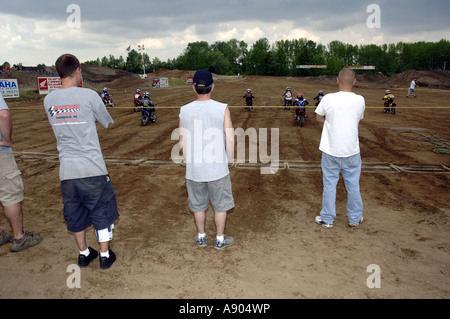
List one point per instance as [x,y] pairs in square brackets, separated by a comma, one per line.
[351,171]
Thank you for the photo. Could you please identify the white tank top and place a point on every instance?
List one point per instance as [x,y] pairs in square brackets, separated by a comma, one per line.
[204,137]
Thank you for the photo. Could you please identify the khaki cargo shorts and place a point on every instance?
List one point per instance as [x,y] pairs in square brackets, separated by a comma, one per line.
[11,184]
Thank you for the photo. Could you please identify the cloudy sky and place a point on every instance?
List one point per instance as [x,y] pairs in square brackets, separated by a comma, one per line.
[33,32]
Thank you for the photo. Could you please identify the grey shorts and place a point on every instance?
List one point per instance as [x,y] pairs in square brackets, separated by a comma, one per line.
[218,192]
[11,184]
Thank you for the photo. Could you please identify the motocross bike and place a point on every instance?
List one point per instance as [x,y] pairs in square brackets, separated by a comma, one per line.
[301,116]
[287,103]
[389,107]
[148,113]
[108,101]
[249,104]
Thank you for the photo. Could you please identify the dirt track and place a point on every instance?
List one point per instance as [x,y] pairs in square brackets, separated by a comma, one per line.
[279,252]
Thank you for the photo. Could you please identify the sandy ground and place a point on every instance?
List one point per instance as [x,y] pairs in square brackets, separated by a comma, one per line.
[280,253]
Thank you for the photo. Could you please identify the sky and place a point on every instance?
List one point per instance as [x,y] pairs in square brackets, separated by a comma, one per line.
[38,32]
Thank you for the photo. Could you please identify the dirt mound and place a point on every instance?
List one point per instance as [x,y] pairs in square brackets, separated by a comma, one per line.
[27,77]
[428,79]
[166,73]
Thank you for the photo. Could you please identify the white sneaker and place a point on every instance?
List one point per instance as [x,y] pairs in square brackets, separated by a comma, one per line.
[321,222]
[354,225]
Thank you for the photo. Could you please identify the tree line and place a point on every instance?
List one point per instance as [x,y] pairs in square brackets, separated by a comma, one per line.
[281,58]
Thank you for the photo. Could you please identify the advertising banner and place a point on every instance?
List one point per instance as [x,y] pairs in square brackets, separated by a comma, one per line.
[49,84]
[9,88]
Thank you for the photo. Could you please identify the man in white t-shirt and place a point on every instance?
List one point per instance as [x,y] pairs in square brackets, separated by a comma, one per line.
[412,88]
[341,112]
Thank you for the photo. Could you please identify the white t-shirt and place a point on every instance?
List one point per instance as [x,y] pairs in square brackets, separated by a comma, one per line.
[413,85]
[342,111]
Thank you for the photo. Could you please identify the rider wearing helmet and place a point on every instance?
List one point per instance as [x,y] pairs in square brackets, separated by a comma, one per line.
[300,102]
[388,97]
[249,99]
[388,100]
[149,106]
[106,98]
[138,98]
[287,96]
[319,97]
[105,92]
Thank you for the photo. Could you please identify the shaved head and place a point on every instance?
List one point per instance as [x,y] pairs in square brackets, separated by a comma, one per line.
[346,76]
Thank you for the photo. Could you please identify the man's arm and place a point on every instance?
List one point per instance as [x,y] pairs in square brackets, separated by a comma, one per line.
[229,135]
[181,139]
[5,128]
[320,118]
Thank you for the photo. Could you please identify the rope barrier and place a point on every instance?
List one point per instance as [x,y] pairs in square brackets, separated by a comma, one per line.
[236,106]
[280,165]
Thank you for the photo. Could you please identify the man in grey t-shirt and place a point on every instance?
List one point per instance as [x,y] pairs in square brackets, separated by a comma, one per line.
[88,195]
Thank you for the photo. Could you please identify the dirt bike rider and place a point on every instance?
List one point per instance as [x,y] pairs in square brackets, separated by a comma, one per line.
[138,98]
[319,97]
[105,96]
[249,99]
[300,102]
[147,105]
[388,100]
[287,97]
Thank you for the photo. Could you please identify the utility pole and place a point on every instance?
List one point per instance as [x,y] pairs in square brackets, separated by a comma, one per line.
[141,48]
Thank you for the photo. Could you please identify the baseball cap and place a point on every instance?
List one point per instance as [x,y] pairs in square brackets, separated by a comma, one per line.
[203,78]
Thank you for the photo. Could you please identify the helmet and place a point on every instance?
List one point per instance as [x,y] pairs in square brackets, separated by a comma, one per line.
[388,92]
[288,88]
[146,94]
[320,91]
[300,96]
[249,90]
[105,89]
[138,91]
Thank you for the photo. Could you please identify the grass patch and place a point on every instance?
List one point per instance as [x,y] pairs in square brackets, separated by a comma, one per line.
[30,95]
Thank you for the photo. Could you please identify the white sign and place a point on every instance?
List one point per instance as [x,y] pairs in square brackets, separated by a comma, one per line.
[362,67]
[49,84]
[163,82]
[9,88]
[308,66]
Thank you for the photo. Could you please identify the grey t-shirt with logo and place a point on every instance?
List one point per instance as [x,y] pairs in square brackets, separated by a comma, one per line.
[73,113]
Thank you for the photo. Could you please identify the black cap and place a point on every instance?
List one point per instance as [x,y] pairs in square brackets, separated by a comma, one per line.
[203,78]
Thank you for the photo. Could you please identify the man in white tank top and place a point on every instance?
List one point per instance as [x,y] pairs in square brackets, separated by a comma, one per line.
[207,142]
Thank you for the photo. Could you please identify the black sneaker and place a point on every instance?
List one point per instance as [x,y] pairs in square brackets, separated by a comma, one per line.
[83,261]
[106,262]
